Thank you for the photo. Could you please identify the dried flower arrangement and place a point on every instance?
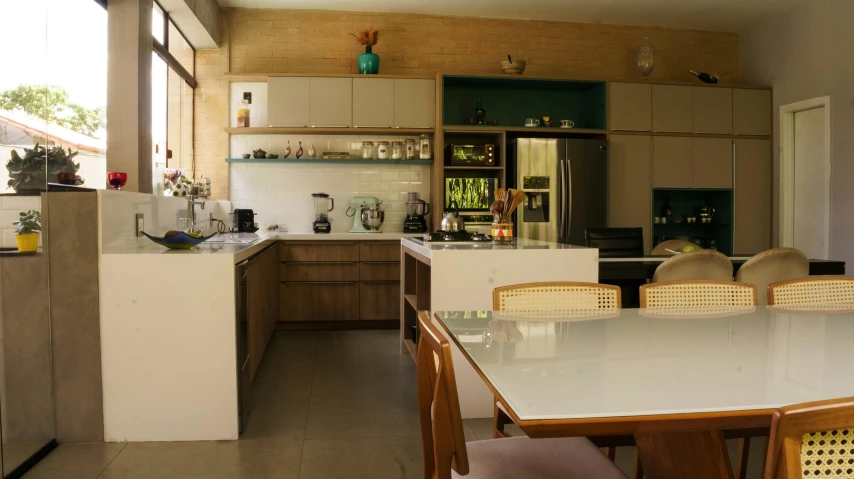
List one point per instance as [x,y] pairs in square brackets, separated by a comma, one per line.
[367,37]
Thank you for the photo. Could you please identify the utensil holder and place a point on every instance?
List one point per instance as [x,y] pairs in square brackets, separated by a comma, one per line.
[502,231]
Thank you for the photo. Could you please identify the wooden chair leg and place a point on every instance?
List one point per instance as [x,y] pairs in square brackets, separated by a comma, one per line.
[499,420]
[638,467]
[741,460]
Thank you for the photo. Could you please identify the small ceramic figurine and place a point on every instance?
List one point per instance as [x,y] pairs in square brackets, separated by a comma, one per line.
[311,151]
[288,149]
[299,151]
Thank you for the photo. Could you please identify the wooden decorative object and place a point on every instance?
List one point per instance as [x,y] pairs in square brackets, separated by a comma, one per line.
[557,296]
[700,294]
[817,293]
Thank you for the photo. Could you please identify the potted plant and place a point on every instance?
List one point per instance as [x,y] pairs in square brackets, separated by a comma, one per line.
[369,62]
[40,166]
[27,231]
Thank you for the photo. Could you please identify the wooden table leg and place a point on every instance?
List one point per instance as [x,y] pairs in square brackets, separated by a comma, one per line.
[679,455]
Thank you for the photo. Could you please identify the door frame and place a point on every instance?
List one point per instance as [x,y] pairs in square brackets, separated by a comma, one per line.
[787,167]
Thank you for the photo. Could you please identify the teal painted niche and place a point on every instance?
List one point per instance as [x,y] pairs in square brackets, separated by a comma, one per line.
[686,203]
[512,100]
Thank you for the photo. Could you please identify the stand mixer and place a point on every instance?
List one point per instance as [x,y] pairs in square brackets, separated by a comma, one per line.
[367,217]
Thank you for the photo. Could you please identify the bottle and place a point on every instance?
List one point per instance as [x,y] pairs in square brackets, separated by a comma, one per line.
[668,210]
[425,153]
[243,114]
[479,113]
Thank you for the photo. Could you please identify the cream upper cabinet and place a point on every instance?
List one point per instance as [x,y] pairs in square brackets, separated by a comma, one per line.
[672,108]
[630,106]
[331,102]
[414,103]
[712,162]
[630,183]
[288,101]
[751,112]
[712,110]
[752,189]
[373,102]
[672,162]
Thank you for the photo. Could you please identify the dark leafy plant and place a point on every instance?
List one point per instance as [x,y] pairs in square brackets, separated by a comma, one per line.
[29,222]
[39,166]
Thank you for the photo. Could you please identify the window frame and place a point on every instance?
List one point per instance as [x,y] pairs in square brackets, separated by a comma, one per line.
[162,49]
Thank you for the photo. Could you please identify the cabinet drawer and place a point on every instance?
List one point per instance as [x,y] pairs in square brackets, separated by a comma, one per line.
[319,301]
[379,272]
[318,271]
[319,251]
[380,300]
[379,251]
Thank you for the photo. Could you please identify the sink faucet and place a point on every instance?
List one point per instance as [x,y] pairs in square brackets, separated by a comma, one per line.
[199,192]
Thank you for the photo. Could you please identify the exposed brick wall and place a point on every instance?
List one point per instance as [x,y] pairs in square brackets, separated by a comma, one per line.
[283,41]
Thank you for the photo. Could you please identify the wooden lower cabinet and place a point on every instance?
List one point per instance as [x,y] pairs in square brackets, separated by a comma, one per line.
[262,296]
[379,300]
[319,301]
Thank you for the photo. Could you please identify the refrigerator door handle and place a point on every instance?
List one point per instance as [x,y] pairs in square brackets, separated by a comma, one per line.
[562,210]
[567,193]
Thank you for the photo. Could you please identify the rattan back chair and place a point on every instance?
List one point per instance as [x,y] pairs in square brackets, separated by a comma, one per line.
[771,266]
[813,293]
[661,249]
[703,264]
[685,295]
[557,296]
[814,439]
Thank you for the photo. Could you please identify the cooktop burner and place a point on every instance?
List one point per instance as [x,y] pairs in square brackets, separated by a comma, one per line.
[456,237]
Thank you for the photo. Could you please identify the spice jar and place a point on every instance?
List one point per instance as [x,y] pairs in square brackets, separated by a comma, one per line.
[425,148]
[383,150]
[367,150]
[397,150]
[410,149]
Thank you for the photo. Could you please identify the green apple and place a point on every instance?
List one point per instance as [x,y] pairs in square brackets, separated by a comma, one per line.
[689,248]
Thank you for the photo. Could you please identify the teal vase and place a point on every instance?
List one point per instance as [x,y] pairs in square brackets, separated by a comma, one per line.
[369,62]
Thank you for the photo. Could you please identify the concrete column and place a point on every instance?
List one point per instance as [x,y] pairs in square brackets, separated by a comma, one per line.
[129,91]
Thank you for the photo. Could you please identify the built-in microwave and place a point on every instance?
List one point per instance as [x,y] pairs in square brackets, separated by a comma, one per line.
[471,155]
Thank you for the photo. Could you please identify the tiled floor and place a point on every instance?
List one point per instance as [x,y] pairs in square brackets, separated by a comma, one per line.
[324,405]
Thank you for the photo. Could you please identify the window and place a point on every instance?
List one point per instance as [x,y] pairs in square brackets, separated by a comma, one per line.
[172,70]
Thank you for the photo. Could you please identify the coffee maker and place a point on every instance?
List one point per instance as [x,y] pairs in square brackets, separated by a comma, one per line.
[323,204]
[416,209]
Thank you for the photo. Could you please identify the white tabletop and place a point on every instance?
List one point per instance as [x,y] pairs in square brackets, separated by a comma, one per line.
[634,365]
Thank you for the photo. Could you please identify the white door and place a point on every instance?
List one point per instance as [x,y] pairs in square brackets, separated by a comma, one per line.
[806,178]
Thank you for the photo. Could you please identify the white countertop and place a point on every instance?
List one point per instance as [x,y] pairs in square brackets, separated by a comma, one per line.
[427,249]
[635,365]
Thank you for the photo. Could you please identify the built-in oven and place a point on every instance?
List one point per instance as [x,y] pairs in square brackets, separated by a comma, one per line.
[243,378]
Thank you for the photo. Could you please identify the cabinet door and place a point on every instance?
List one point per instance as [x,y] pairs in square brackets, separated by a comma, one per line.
[331,103]
[373,102]
[672,162]
[328,271]
[414,103]
[262,304]
[379,300]
[630,183]
[630,107]
[379,251]
[712,163]
[319,251]
[288,101]
[671,108]
[319,301]
[751,112]
[712,110]
[752,189]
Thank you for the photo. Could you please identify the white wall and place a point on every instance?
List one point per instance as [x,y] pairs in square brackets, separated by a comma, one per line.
[804,54]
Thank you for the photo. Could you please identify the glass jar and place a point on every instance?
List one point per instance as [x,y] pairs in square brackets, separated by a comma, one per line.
[411,152]
[397,150]
[425,154]
[367,150]
[383,150]
[243,114]
[502,231]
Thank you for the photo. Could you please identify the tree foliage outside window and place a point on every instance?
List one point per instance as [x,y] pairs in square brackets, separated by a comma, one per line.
[50,103]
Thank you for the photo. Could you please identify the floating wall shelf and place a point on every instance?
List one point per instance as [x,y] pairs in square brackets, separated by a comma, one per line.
[348,161]
[326,131]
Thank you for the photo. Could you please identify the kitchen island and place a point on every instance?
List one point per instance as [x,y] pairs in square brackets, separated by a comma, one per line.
[461,276]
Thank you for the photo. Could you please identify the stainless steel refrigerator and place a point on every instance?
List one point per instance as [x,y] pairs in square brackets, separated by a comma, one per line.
[566,187]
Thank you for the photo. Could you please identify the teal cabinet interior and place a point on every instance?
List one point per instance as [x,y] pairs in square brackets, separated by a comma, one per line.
[686,204]
[512,100]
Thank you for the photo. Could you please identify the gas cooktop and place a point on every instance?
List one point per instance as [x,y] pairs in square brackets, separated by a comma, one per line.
[456,237]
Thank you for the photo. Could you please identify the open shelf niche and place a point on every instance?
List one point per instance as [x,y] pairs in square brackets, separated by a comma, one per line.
[686,203]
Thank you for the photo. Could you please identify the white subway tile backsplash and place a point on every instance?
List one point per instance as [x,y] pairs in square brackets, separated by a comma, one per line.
[399,186]
[369,176]
[410,176]
[390,175]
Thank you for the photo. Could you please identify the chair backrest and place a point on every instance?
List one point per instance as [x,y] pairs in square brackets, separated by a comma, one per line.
[772,266]
[672,245]
[696,294]
[556,296]
[442,437]
[817,292]
[704,264]
[812,440]
[615,242]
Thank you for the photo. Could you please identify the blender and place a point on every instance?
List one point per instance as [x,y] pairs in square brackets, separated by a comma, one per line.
[361,205]
[416,209]
[323,204]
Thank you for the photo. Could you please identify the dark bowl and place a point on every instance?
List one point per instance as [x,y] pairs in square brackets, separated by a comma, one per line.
[179,241]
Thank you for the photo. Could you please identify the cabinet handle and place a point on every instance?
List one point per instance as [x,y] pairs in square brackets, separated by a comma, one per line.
[288,126]
[627,129]
[371,126]
[387,281]
[330,126]
[415,127]
[320,282]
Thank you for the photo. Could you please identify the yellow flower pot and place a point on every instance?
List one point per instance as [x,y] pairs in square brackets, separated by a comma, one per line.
[27,243]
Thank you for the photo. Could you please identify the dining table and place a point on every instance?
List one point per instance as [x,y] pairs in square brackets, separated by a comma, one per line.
[675,380]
